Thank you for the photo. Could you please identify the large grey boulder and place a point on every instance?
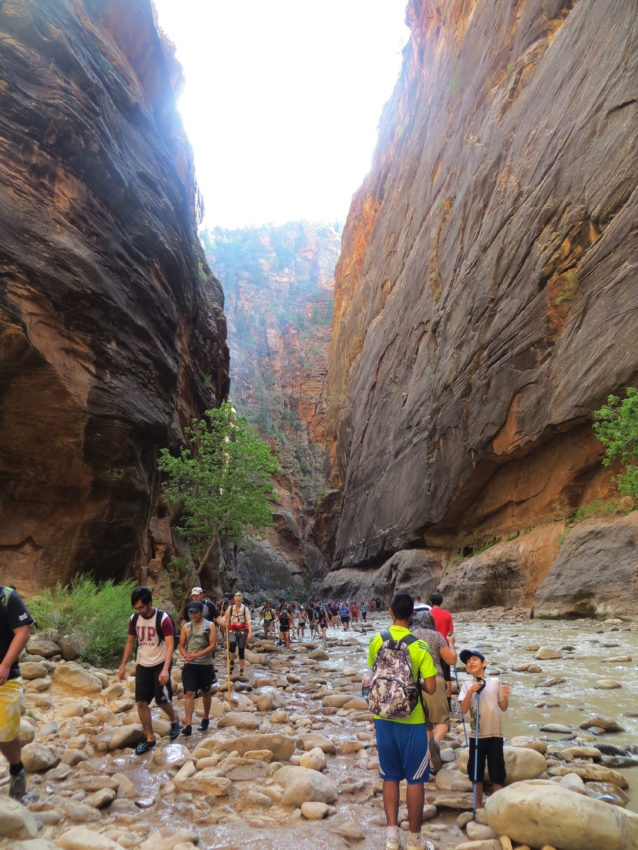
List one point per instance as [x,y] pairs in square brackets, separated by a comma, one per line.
[539,813]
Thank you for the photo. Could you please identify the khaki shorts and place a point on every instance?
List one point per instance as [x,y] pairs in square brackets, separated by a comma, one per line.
[10,709]
[437,704]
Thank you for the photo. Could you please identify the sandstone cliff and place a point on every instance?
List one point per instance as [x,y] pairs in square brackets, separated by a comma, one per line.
[486,299]
[112,331]
[279,287]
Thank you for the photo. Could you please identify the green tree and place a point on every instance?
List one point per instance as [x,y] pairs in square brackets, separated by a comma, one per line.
[221,479]
[616,426]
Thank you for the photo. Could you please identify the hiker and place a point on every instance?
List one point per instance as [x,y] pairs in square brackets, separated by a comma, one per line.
[402,742]
[284,626]
[153,630]
[301,622]
[344,614]
[268,617]
[239,631]
[322,620]
[15,623]
[211,613]
[423,627]
[493,698]
[197,643]
[445,627]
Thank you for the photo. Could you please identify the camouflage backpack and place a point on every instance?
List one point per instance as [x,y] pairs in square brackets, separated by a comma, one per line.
[393,691]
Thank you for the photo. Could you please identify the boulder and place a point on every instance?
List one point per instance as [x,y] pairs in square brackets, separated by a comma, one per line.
[205,781]
[43,646]
[301,785]
[74,678]
[539,813]
[281,746]
[16,821]
[38,758]
[520,763]
[240,720]
[315,759]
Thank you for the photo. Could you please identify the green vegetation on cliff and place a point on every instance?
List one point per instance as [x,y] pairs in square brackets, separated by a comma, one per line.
[616,426]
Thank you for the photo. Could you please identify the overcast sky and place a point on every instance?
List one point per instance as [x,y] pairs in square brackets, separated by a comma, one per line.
[282,100]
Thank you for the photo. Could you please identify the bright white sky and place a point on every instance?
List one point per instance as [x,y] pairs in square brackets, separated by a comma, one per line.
[282,100]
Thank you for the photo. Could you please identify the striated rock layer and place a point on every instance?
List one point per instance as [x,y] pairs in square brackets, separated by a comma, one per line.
[112,332]
[486,299]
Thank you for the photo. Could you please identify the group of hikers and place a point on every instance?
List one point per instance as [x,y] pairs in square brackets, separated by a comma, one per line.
[409,689]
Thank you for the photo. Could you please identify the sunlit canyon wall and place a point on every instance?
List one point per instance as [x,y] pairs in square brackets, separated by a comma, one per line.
[486,303]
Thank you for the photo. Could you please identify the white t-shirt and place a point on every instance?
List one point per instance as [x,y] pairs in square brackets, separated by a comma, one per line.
[489,712]
[150,649]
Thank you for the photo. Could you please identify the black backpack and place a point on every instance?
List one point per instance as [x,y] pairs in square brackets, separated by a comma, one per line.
[158,622]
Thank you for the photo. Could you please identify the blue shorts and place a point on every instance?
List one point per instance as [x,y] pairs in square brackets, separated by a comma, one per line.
[403,751]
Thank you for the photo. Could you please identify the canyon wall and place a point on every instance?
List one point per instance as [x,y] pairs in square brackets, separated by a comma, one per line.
[279,287]
[112,332]
[486,301]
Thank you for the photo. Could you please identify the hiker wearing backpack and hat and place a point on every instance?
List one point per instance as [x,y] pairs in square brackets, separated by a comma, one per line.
[399,662]
[153,630]
[240,631]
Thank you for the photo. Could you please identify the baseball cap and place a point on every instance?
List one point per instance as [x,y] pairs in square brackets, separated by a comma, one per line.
[197,589]
[468,653]
[195,606]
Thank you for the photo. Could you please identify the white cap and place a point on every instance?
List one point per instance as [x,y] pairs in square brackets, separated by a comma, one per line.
[197,590]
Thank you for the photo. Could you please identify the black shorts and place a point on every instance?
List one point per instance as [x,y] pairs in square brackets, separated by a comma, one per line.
[492,748]
[446,671]
[147,685]
[283,628]
[197,677]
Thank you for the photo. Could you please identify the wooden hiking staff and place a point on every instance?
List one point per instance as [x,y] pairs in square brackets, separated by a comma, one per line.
[228,662]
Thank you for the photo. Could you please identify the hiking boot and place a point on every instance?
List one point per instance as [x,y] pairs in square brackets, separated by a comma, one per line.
[18,785]
[392,844]
[241,674]
[435,757]
[187,730]
[232,666]
[426,845]
[203,726]
[144,747]
[174,730]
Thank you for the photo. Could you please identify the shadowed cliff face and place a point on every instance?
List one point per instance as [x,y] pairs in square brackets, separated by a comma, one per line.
[486,299]
[111,326]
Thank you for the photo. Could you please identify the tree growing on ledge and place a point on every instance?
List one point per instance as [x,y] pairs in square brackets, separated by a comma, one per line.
[616,426]
[221,480]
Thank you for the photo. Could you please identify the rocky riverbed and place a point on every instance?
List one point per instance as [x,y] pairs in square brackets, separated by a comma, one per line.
[291,762]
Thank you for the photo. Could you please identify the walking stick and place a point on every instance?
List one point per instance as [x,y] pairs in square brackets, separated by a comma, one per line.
[458,690]
[228,663]
[476,743]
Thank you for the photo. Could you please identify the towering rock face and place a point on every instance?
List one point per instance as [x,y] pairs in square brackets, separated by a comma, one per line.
[279,288]
[111,325]
[486,299]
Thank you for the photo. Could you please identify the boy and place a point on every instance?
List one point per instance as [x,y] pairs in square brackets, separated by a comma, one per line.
[493,696]
[402,744]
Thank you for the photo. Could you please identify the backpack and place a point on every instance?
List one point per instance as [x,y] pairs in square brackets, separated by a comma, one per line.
[158,622]
[393,691]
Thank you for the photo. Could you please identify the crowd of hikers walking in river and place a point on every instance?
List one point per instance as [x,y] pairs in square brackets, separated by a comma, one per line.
[409,685]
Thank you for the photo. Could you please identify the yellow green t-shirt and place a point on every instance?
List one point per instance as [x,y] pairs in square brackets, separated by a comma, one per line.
[421,664]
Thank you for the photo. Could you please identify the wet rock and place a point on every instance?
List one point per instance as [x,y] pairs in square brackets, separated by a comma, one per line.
[594,772]
[547,652]
[315,759]
[453,780]
[81,838]
[532,743]
[606,791]
[453,800]
[205,781]
[77,812]
[238,768]
[267,699]
[539,813]
[607,685]
[281,746]
[556,728]
[124,736]
[38,758]
[168,839]
[478,831]
[240,720]
[318,655]
[573,782]
[16,821]
[304,785]
[314,811]
[314,739]
[100,799]
[74,678]
[602,723]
